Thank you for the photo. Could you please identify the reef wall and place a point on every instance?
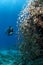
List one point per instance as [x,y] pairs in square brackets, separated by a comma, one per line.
[31,28]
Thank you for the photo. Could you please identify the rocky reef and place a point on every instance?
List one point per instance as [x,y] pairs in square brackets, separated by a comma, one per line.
[31,29]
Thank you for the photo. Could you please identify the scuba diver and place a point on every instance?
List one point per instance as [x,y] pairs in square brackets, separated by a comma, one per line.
[10,31]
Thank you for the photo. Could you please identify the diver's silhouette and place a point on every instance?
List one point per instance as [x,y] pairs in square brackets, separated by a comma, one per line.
[10,31]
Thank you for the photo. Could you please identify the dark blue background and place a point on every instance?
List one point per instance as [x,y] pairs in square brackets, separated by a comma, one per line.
[8,16]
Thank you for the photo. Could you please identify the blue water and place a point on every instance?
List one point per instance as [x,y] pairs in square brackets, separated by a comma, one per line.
[9,10]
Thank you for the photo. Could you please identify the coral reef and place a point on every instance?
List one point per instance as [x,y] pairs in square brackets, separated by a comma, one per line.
[31,28]
[9,57]
[31,38]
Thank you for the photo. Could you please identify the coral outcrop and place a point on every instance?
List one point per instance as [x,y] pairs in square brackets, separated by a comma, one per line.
[32,31]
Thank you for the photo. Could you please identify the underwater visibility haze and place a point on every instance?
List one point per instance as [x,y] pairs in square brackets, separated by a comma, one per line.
[9,11]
